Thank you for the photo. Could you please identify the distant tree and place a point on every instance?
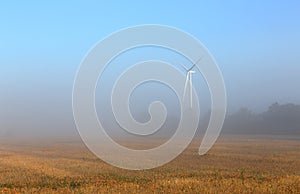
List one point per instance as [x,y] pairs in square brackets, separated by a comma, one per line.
[243,121]
[282,119]
[278,119]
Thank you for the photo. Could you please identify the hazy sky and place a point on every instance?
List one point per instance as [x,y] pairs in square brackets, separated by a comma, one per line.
[255,43]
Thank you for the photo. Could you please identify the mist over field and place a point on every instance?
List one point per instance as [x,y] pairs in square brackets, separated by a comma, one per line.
[65,66]
[257,53]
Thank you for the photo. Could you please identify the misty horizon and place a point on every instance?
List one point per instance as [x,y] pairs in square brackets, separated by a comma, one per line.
[244,121]
[255,45]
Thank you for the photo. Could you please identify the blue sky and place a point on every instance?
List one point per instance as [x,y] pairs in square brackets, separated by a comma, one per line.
[256,44]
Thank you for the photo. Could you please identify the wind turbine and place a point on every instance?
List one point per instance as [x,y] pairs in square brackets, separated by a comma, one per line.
[189,73]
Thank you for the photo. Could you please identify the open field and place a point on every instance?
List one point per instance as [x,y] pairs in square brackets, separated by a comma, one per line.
[234,165]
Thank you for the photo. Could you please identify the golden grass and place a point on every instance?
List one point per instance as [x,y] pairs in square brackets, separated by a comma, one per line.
[234,165]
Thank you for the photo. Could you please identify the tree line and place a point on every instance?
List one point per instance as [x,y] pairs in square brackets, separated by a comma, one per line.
[278,119]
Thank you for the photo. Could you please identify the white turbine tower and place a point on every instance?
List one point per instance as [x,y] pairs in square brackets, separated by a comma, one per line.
[189,73]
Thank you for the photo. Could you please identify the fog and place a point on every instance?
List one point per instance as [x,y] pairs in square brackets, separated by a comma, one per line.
[257,50]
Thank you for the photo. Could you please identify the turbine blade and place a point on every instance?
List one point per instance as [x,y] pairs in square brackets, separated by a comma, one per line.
[184,67]
[198,60]
[191,91]
[185,85]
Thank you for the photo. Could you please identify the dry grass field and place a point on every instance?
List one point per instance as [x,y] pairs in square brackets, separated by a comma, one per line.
[234,165]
